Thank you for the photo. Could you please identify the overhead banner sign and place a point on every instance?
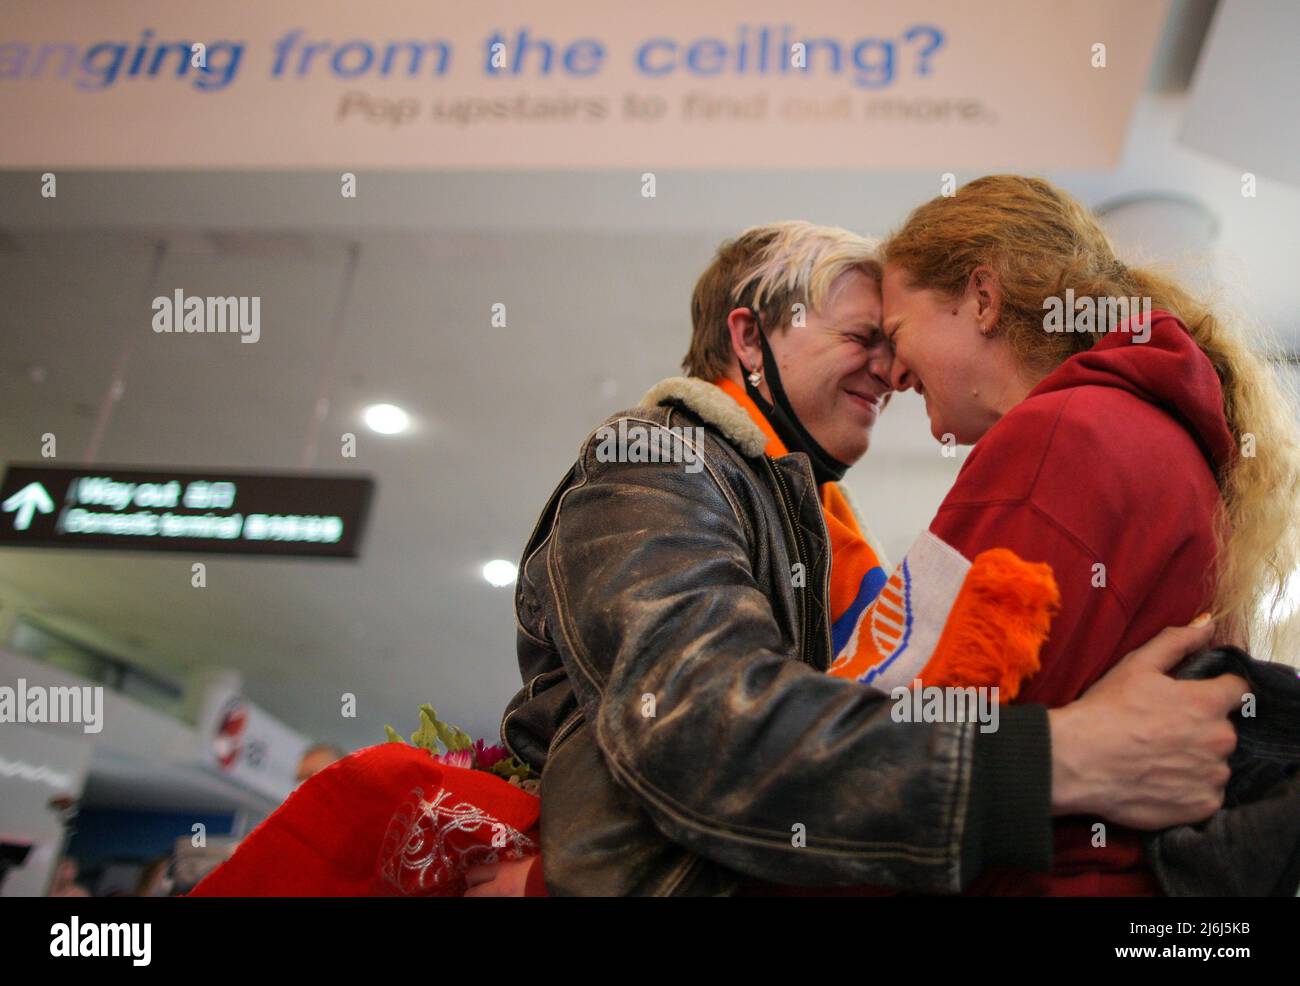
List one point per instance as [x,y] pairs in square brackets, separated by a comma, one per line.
[942,84]
[174,510]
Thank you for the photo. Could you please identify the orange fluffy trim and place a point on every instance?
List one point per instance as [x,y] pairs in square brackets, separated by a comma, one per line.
[997,626]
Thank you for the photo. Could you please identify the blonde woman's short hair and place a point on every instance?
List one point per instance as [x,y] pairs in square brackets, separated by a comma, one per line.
[771,269]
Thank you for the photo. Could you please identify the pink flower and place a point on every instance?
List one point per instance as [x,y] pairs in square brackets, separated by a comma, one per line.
[457,758]
[485,756]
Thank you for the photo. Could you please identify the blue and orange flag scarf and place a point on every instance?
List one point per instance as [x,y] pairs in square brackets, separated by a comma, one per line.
[938,617]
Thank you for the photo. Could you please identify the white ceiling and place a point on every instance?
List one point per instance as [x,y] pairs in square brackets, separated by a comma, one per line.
[595,280]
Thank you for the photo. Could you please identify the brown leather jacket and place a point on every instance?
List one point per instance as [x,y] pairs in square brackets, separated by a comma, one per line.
[675,699]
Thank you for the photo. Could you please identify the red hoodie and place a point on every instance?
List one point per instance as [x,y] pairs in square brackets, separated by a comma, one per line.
[1110,462]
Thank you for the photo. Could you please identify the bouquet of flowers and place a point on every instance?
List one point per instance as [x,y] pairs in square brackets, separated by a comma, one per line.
[395,819]
[458,750]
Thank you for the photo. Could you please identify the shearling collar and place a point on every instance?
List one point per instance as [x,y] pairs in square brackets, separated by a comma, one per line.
[716,407]
[713,405]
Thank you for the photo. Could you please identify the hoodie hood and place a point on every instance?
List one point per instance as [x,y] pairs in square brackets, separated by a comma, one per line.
[1168,370]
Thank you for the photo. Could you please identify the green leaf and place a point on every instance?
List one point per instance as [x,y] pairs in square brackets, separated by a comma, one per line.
[451,737]
[456,738]
[511,767]
[426,737]
[436,736]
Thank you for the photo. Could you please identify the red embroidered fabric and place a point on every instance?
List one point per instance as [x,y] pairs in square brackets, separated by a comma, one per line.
[385,821]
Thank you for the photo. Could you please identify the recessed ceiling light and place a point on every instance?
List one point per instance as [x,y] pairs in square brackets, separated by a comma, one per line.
[500,572]
[1158,227]
[387,419]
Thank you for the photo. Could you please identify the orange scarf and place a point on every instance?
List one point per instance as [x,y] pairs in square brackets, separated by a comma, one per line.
[938,618]
[856,572]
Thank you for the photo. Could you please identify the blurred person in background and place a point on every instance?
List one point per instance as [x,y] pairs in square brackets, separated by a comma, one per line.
[317,757]
[65,880]
[155,879]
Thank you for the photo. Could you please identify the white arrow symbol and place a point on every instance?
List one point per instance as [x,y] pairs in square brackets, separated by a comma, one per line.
[27,501]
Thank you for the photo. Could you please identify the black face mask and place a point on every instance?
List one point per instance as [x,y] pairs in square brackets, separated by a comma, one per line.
[784,421]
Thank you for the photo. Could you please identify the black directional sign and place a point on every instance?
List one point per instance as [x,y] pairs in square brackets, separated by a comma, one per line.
[204,512]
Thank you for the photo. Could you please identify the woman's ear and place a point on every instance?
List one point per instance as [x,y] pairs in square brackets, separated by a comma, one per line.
[745,338]
[985,289]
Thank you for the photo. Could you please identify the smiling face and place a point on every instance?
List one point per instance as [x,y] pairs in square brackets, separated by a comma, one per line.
[946,350]
[835,368]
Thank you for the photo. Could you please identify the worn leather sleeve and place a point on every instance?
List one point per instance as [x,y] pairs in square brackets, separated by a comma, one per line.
[598,842]
[733,748]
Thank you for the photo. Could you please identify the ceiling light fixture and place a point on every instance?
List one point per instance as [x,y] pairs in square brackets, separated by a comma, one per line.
[500,573]
[386,419]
